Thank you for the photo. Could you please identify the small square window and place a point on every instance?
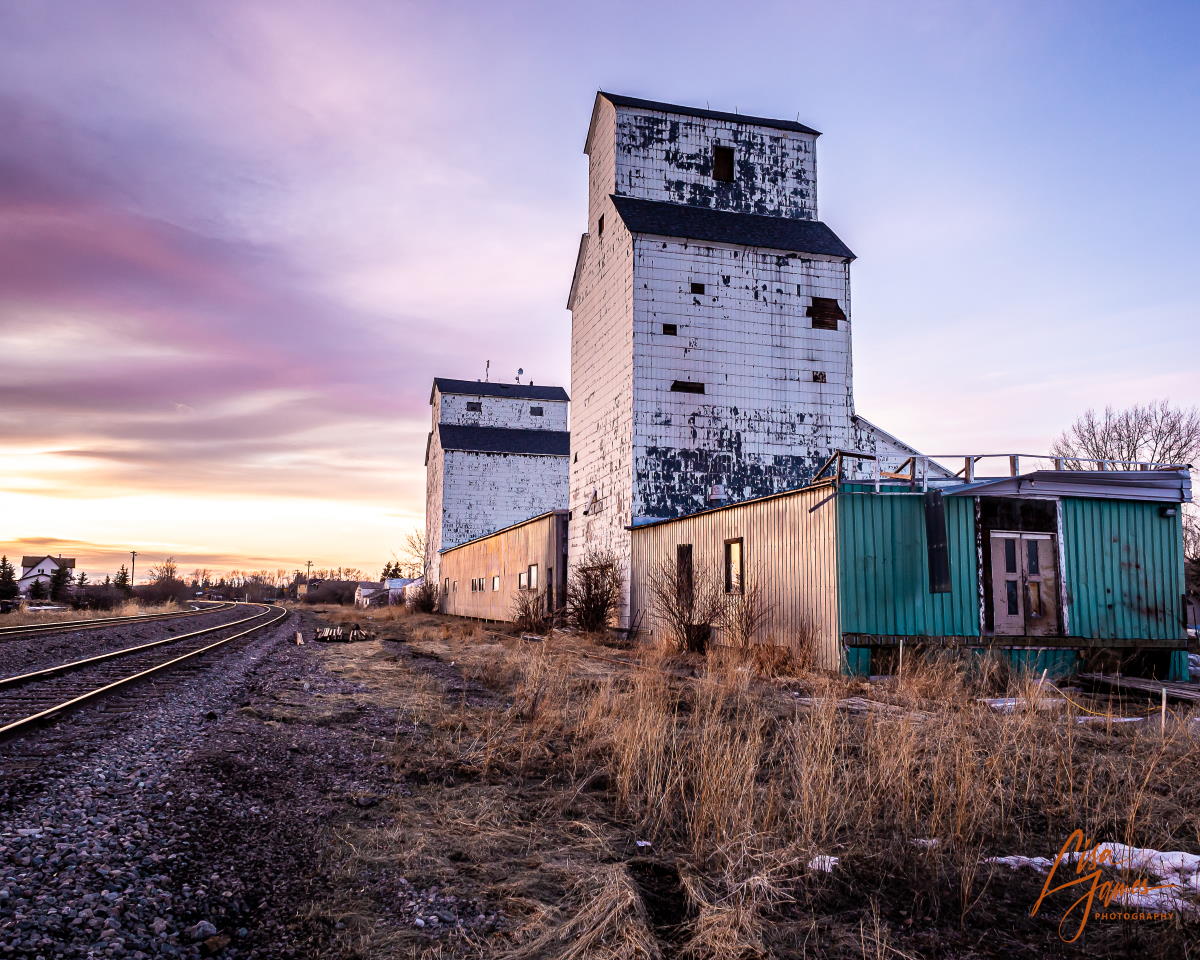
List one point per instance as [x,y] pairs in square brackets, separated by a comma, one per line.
[474,406]
[535,411]
[697,287]
[723,164]
[686,386]
[670,329]
[495,583]
[818,376]
[533,576]
[825,313]
[522,580]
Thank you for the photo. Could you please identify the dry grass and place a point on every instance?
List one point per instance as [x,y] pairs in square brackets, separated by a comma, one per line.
[746,791]
[533,802]
[128,609]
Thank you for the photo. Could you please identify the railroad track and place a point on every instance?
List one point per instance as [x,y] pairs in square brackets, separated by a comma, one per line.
[27,629]
[29,699]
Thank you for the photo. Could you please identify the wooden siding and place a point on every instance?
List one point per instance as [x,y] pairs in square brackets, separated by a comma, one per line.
[884,567]
[790,553]
[506,554]
[1123,570]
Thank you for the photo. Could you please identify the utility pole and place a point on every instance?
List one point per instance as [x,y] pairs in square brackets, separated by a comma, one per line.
[309,577]
[132,568]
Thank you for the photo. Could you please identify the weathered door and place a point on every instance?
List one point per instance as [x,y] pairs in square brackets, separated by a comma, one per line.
[1024,584]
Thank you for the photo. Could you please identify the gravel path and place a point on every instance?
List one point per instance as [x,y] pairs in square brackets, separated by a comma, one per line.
[21,654]
[169,826]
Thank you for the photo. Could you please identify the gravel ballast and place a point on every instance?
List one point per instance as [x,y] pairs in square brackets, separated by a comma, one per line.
[191,817]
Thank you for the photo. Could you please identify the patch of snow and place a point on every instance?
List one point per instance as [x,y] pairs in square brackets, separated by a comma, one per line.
[1109,719]
[642,843]
[1040,864]
[1010,704]
[1180,870]
[823,863]
[928,843]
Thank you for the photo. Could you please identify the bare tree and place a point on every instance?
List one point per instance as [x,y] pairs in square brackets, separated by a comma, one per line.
[1155,432]
[593,592]
[166,571]
[412,558]
[687,604]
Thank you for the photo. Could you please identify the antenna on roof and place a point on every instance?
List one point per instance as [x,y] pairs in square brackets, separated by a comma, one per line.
[487,370]
[520,370]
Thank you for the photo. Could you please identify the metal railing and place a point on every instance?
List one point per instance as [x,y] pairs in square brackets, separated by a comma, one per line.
[915,469]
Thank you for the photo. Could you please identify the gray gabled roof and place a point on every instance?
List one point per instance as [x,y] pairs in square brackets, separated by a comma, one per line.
[481,388]
[622,101]
[554,443]
[720,226]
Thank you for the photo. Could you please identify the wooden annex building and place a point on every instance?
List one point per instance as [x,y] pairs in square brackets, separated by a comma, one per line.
[482,577]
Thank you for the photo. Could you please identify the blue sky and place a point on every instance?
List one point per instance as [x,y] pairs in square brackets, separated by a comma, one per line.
[238,238]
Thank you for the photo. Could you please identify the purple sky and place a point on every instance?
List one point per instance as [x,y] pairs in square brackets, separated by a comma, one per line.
[237,239]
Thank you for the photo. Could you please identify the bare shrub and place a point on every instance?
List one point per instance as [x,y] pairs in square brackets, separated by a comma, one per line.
[746,613]
[593,592]
[531,611]
[425,598]
[687,604]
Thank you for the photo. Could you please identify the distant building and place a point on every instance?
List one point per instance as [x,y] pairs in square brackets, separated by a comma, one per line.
[396,587]
[370,594]
[35,569]
[497,454]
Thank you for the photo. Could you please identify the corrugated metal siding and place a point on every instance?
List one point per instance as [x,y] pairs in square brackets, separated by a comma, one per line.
[790,552]
[505,554]
[883,569]
[1123,569]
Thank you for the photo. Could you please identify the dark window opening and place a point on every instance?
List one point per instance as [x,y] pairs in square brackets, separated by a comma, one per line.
[825,313]
[600,226]
[818,376]
[723,164]
[474,406]
[536,412]
[1010,587]
[697,287]
[734,566]
[670,329]
[1010,556]
[684,577]
[686,386]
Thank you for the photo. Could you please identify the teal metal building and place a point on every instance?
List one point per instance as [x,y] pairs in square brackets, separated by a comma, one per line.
[1059,570]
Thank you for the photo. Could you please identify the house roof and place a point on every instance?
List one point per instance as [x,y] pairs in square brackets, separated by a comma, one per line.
[622,101]
[556,443]
[720,226]
[61,561]
[481,388]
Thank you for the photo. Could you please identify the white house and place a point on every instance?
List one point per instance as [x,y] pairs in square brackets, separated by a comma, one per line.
[35,569]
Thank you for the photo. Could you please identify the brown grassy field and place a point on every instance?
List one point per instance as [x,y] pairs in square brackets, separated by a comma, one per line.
[127,609]
[630,803]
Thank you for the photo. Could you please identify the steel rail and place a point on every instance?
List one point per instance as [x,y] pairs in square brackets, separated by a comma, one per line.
[24,629]
[124,651]
[75,701]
